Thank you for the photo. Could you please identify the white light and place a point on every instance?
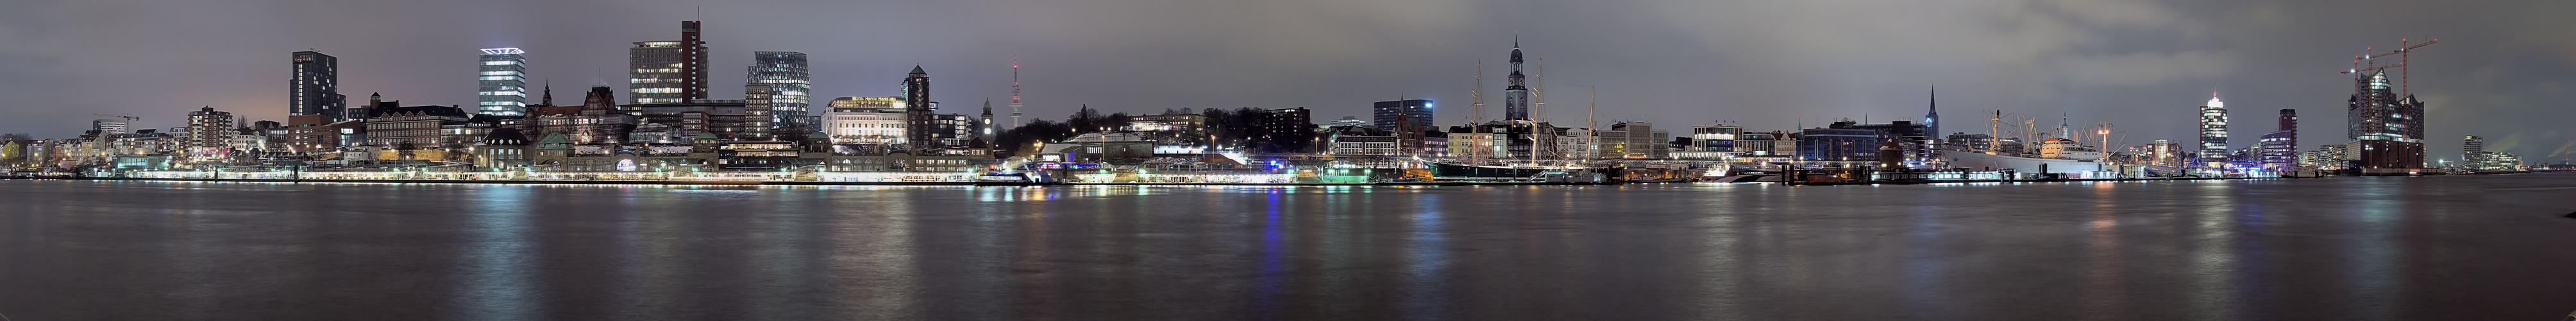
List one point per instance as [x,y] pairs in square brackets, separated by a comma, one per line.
[502,51]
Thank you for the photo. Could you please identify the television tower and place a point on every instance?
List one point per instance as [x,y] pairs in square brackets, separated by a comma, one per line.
[1015,93]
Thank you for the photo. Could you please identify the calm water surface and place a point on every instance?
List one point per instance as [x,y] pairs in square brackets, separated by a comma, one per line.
[2432,248]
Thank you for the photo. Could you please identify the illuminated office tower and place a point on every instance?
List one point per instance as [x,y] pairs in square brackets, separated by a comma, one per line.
[789,85]
[2213,133]
[504,82]
[668,72]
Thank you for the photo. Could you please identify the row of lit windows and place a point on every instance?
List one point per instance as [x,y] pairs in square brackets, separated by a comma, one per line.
[502,62]
[508,78]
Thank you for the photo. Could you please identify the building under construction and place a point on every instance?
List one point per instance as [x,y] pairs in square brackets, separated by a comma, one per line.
[2385,123]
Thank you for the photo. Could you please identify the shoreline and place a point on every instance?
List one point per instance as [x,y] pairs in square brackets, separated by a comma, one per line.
[815,183]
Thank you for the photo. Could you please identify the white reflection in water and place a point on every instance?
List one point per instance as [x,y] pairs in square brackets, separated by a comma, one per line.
[500,281]
[1426,293]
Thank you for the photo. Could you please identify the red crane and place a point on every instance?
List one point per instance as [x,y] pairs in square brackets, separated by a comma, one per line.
[2405,46]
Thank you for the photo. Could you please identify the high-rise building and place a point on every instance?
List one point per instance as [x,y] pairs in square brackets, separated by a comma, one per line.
[2472,147]
[2387,130]
[1392,114]
[2280,149]
[209,132]
[758,121]
[503,80]
[1516,97]
[920,126]
[785,73]
[2213,133]
[316,88]
[668,72]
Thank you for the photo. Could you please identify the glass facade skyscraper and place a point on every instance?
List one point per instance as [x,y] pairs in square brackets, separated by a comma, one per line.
[2213,132]
[789,84]
[668,72]
[503,83]
[2387,130]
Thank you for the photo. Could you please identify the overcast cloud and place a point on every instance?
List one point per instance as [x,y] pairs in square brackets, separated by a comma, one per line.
[2501,69]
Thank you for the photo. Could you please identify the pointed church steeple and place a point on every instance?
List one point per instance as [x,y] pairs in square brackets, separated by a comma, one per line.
[1932,116]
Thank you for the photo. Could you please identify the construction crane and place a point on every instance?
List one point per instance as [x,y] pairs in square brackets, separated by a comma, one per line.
[2405,46]
[129,118]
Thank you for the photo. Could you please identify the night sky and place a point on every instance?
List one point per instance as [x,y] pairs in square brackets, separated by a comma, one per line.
[2501,69]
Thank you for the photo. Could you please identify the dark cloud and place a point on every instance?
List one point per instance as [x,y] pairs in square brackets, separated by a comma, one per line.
[1767,64]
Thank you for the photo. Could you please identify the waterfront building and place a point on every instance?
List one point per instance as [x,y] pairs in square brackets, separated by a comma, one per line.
[1580,143]
[1637,140]
[2471,148]
[412,126]
[1391,113]
[1467,145]
[1839,144]
[865,120]
[315,88]
[1362,142]
[503,83]
[209,132]
[1712,142]
[1290,128]
[1914,138]
[790,85]
[2387,131]
[668,72]
[595,121]
[502,149]
[2280,149]
[2213,133]
[1763,144]
[726,118]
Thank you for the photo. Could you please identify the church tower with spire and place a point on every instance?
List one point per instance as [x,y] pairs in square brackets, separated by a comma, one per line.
[1932,117]
[1516,97]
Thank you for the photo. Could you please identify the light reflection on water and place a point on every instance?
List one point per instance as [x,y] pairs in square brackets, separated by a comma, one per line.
[2370,249]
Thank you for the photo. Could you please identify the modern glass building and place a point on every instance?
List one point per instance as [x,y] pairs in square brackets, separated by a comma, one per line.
[668,72]
[1392,113]
[2213,133]
[315,89]
[2280,149]
[2387,130]
[503,83]
[790,87]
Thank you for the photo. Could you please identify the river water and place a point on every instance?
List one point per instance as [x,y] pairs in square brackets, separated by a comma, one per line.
[2428,248]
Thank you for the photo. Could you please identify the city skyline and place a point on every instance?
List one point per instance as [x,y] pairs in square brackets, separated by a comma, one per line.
[2142,69]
